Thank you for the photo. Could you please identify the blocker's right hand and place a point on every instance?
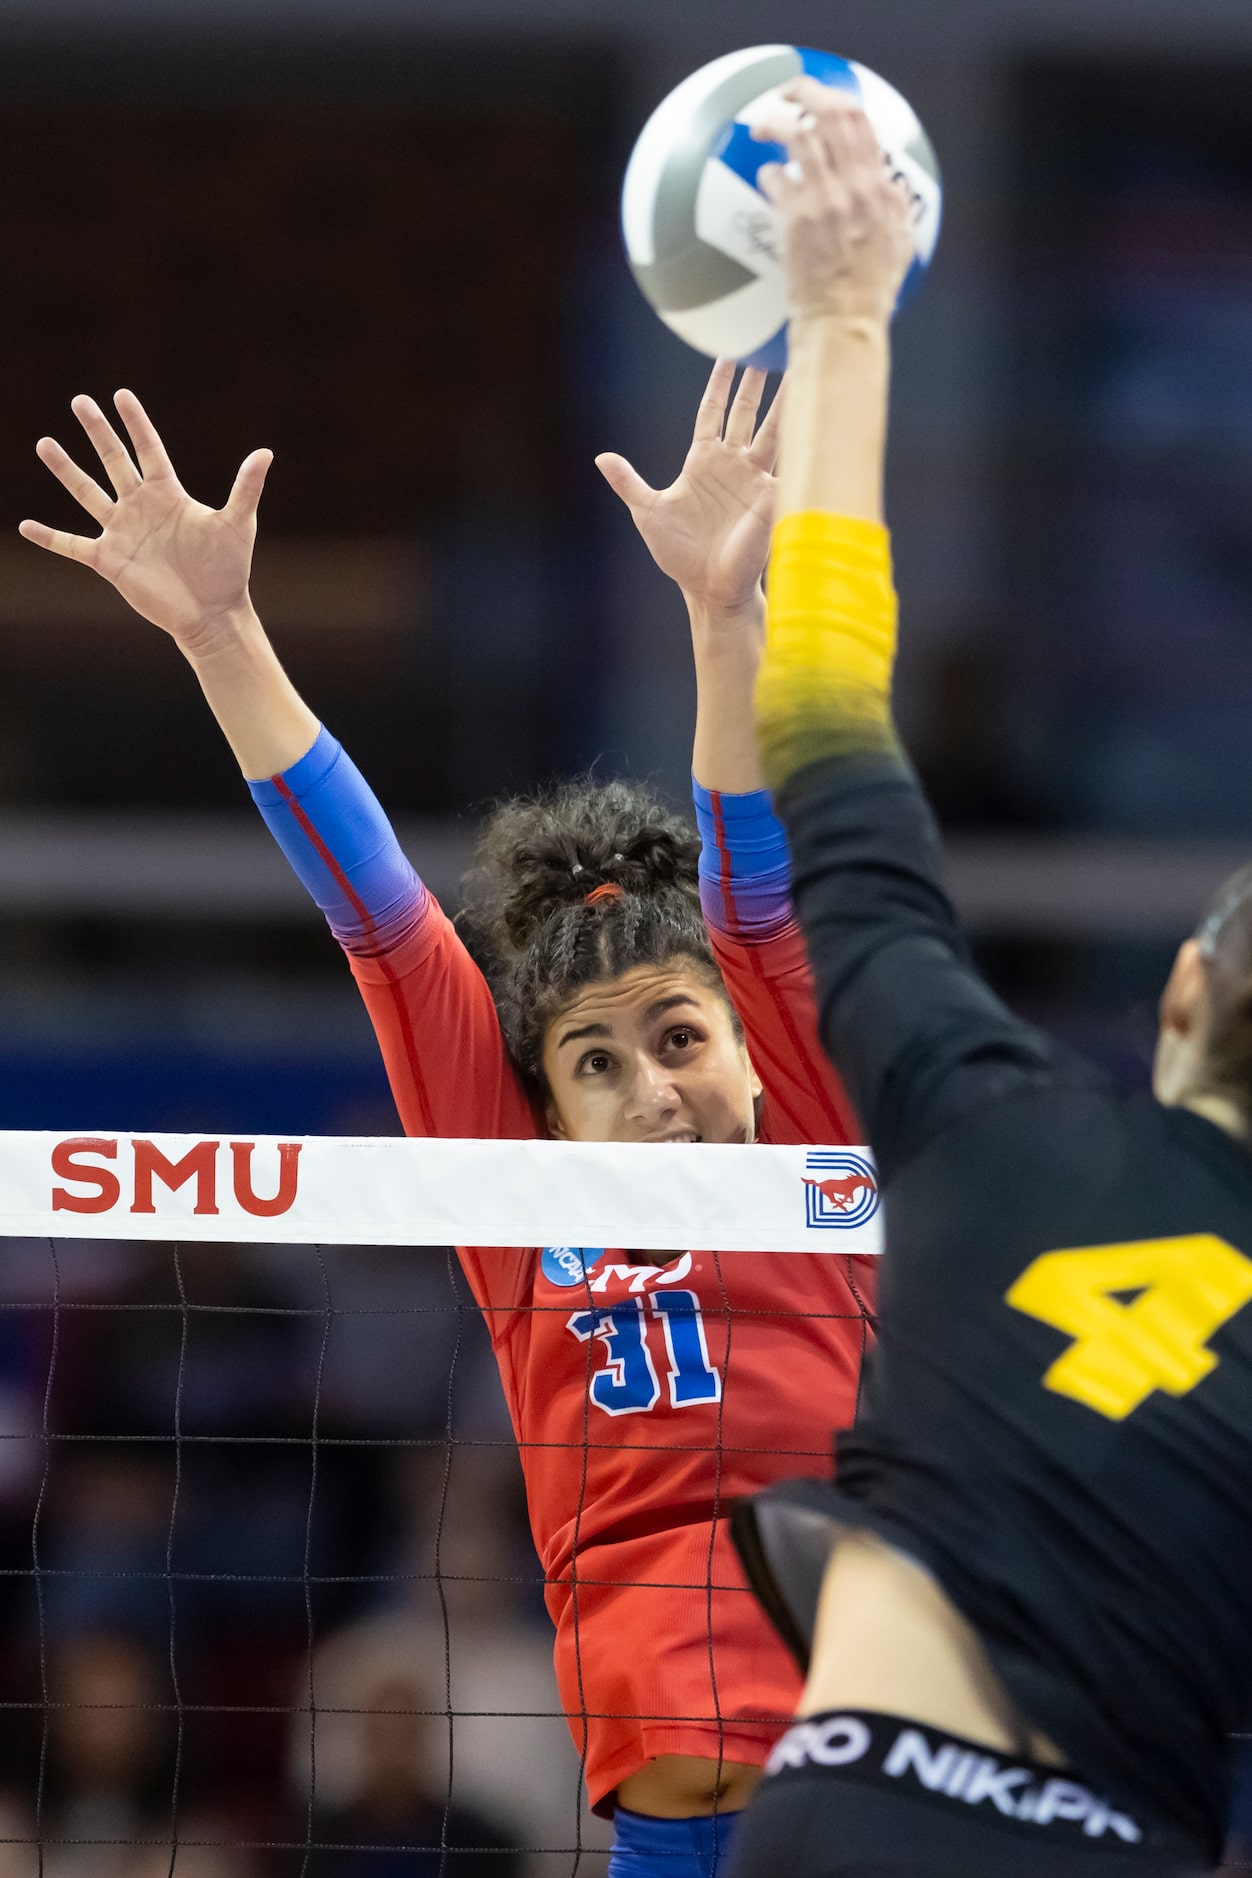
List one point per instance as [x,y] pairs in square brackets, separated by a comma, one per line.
[710,530]
[181,565]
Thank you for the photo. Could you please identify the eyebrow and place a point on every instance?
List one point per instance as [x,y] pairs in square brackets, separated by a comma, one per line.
[588,1030]
[654,1010]
[667,1004]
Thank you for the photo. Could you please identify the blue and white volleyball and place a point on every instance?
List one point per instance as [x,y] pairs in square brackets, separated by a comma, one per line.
[702,240]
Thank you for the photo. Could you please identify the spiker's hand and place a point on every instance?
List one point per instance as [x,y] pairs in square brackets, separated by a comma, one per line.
[847,235]
[181,565]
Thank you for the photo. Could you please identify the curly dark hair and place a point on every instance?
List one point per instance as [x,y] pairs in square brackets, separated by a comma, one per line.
[527,918]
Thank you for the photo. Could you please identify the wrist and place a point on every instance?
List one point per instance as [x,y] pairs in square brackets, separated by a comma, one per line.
[719,619]
[232,630]
[824,327]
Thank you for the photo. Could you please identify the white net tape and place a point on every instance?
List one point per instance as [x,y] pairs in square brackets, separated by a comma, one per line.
[353,1191]
[260,1513]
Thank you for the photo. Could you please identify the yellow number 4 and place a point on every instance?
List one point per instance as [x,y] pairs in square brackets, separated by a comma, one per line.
[1180,1291]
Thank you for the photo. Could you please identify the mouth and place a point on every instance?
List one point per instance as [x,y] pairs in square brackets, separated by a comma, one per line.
[681,1138]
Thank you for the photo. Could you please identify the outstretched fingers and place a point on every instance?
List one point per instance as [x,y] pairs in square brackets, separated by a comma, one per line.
[711,415]
[764,449]
[779,184]
[84,489]
[153,458]
[741,421]
[245,495]
[848,145]
[108,446]
[625,481]
[56,541]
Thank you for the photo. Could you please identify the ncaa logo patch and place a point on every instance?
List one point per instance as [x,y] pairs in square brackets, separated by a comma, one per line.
[840,1188]
[570,1264]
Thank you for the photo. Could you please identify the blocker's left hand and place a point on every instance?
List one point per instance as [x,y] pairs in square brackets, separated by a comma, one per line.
[710,530]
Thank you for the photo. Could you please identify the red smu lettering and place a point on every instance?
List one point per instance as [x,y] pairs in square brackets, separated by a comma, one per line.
[288,1174]
[67,1166]
[199,1163]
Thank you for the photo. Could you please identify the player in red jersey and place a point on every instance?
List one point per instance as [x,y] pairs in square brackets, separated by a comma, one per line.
[647,1391]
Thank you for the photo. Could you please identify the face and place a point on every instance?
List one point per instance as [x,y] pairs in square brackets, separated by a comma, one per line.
[649,1056]
[1178,1067]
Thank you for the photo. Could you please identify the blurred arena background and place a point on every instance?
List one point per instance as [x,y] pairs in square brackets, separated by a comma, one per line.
[382,239]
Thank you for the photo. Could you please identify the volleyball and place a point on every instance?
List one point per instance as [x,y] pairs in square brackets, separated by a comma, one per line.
[702,239]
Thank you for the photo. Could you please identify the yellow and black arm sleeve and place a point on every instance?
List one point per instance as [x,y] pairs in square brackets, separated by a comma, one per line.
[915,1033]
[824,687]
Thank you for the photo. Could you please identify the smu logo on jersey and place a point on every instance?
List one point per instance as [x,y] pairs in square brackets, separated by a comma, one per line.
[840,1188]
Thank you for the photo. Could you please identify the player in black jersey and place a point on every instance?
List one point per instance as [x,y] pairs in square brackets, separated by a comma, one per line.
[1026,1606]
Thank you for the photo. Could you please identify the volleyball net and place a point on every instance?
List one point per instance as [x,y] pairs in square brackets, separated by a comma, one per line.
[268,1597]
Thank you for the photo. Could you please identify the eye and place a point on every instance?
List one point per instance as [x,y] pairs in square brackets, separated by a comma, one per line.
[595,1063]
[683,1038]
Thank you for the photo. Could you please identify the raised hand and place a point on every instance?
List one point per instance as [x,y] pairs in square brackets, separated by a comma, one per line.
[181,565]
[847,236]
[710,530]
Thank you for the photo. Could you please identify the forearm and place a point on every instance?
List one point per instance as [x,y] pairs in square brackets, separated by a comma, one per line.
[263,717]
[834,422]
[825,684]
[727,650]
[332,829]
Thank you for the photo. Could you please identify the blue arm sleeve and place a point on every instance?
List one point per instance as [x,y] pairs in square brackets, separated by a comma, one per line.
[745,870]
[329,824]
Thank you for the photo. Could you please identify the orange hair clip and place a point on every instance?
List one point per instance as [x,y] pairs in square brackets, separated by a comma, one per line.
[609,890]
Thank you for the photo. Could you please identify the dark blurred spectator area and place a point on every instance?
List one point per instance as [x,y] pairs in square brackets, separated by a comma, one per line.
[371,254]
[1126,677]
[368,255]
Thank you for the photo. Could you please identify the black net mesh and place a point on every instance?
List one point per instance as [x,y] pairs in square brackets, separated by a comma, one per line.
[268,1600]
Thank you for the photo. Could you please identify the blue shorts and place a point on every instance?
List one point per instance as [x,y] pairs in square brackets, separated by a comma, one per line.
[644,1847]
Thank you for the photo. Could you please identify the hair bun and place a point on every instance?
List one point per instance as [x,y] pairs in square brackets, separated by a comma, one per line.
[537,854]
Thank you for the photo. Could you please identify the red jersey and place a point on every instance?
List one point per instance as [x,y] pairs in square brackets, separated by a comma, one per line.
[646,1398]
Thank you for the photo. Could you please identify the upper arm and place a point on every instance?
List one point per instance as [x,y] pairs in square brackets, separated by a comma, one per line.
[916,1034]
[440,1036]
[745,891]
[771,988]
[332,829]
[432,1012]
[745,871]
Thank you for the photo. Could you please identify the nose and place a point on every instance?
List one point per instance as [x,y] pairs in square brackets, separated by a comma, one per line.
[654,1095]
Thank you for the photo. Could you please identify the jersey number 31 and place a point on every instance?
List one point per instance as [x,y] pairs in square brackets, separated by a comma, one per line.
[629,1384]
[1140,1315]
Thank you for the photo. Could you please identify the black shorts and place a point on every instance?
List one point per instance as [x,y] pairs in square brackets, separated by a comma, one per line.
[856,1795]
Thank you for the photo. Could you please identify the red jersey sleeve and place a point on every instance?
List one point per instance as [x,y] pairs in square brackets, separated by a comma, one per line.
[771,986]
[450,1072]
[745,890]
[439,1034]
[432,1012]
